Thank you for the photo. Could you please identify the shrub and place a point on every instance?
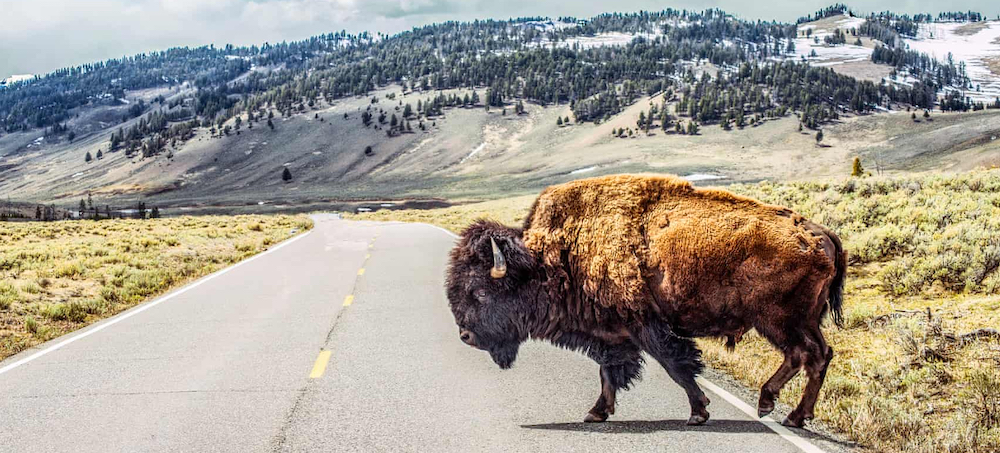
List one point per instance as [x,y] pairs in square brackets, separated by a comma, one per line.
[8,295]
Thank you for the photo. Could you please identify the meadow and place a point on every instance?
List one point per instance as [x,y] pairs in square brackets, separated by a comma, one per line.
[56,277]
[916,364]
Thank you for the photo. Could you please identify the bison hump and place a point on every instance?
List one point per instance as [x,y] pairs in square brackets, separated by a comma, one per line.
[610,234]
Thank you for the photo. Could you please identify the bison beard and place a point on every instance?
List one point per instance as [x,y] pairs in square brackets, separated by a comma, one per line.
[615,266]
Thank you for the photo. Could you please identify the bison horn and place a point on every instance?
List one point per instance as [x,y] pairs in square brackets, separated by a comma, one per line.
[499,263]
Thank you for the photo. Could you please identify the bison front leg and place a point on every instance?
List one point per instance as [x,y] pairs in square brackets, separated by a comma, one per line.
[620,365]
[682,360]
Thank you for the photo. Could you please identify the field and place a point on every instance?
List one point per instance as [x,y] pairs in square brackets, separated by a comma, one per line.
[56,277]
[915,365]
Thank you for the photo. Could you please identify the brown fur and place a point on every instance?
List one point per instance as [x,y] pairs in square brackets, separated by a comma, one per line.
[702,244]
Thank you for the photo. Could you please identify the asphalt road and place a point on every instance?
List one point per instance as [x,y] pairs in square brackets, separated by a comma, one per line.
[338,340]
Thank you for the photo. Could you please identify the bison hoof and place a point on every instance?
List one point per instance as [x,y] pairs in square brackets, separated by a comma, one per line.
[793,423]
[696,420]
[595,418]
[763,411]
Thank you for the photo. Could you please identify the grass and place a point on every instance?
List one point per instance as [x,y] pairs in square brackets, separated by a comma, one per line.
[57,277]
[925,254]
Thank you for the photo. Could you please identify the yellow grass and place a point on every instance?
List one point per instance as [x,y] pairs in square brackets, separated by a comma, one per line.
[56,277]
[900,381]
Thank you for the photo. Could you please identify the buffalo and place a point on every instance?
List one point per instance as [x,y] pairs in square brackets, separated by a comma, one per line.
[620,265]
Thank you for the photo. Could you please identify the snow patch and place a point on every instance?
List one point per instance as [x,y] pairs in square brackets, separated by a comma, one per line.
[473,153]
[940,39]
[583,170]
[693,177]
[16,78]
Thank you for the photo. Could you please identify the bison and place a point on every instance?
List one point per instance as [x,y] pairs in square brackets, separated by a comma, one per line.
[620,265]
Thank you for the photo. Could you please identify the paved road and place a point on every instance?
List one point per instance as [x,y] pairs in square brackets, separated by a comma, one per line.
[340,340]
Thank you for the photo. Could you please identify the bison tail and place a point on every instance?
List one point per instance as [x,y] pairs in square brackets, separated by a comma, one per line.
[836,301]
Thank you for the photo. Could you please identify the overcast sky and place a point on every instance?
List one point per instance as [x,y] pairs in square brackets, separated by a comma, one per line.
[37,36]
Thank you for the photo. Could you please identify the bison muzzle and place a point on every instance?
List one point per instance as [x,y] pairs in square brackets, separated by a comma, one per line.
[620,265]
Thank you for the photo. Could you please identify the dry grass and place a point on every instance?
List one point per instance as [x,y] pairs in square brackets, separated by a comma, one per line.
[971,28]
[901,380]
[993,63]
[57,277]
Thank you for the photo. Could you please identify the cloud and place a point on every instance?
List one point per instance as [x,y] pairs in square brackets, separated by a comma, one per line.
[41,35]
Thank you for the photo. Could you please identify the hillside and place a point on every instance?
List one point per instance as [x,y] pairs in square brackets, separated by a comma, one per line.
[502,107]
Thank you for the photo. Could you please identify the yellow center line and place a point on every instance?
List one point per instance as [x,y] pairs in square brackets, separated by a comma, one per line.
[320,366]
[361,271]
[368,256]
[349,300]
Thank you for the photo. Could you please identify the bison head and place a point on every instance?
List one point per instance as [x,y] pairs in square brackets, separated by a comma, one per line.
[491,277]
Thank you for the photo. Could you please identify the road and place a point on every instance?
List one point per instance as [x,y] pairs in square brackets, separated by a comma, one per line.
[337,340]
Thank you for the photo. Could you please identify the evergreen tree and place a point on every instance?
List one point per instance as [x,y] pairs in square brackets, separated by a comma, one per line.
[88,157]
[286,175]
[819,137]
[856,170]
[559,121]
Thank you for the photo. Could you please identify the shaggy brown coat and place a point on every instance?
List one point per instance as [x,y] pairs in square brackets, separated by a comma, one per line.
[614,234]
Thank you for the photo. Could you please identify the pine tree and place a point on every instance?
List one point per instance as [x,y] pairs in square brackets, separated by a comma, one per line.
[559,121]
[819,137]
[99,154]
[88,157]
[286,175]
[856,170]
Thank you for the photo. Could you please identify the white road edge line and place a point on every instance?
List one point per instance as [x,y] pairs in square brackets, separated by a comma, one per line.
[778,428]
[770,423]
[143,307]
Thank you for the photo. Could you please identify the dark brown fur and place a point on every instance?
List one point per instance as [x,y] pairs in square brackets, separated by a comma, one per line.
[616,265]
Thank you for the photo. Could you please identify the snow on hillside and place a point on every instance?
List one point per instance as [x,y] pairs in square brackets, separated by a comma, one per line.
[830,55]
[976,50]
[584,42]
[16,78]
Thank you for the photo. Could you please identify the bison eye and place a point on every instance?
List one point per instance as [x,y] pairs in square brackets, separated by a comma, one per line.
[480,294]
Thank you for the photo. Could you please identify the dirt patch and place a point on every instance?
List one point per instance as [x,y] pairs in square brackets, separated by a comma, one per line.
[993,63]
[971,28]
[863,70]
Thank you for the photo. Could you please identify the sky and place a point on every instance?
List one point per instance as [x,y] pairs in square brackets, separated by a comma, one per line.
[38,36]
